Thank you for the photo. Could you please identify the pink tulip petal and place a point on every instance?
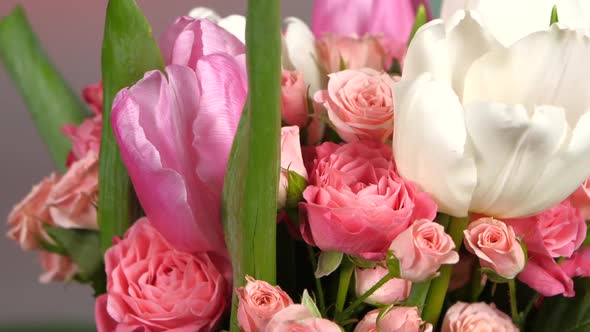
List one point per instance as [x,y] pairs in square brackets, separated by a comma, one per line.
[546,277]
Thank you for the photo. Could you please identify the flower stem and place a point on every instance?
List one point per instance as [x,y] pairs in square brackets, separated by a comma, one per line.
[513,303]
[346,270]
[359,300]
[318,282]
[438,287]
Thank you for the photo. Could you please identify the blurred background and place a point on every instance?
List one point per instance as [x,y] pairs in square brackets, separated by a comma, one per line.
[71,32]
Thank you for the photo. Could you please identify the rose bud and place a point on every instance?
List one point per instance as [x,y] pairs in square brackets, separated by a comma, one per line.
[496,246]
[422,249]
[294,98]
[359,104]
[354,53]
[258,303]
[395,290]
[291,160]
[297,317]
[396,319]
[466,317]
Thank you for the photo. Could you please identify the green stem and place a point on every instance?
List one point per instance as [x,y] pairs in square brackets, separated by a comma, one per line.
[513,303]
[476,283]
[359,300]
[530,306]
[318,282]
[346,270]
[438,288]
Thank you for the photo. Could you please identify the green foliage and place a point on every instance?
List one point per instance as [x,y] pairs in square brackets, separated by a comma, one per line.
[554,16]
[328,262]
[566,314]
[421,19]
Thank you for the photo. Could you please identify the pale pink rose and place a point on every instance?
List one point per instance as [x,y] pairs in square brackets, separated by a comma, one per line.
[496,246]
[556,232]
[395,290]
[368,323]
[544,275]
[467,317]
[359,104]
[353,52]
[72,200]
[294,98]
[291,160]
[403,319]
[580,199]
[27,218]
[356,203]
[297,318]
[56,268]
[462,272]
[258,303]
[422,249]
[152,286]
[579,264]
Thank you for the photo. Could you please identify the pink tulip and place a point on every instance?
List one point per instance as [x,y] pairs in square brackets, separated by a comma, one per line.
[356,53]
[544,275]
[175,134]
[294,98]
[391,19]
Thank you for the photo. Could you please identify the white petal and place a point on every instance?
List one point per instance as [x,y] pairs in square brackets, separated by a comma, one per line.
[236,25]
[447,49]
[204,13]
[429,143]
[299,44]
[545,68]
[449,7]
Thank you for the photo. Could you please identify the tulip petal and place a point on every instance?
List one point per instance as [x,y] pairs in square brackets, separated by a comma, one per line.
[447,49]
[300,52]
[429,143]
[236,25]
[204,13]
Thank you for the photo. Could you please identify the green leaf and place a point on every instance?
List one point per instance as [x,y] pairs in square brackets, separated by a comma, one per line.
[554,16]
[309,303]
[251,183]
[47,96]
[128,51]
[82,246]
[361,262]
[328,262]
[418,295]
[421,19]
[296,186]
[566,314]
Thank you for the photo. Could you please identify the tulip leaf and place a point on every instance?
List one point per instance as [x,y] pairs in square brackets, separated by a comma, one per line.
[128,51]
[251,183]
[47,96]
[328,262]
[564,314]
[554,16]
[421,19]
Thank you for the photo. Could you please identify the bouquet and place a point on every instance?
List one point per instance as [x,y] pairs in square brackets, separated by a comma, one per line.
[382,170]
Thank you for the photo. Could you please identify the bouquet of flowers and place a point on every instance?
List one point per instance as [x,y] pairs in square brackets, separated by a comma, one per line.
[380,171]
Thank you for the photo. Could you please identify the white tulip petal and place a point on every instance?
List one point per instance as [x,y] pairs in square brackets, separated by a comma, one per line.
[429,143]
[300,46]
[447,49]
[449,7]
[204,13]
[236,25]
[545,68]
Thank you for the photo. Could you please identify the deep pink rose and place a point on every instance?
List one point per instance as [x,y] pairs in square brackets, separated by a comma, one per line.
[496,246]
[422,249]
[467,317]
[359,104]
[544,275]
[297,318]
[294,99]
[291,160]
[152,286]
[258,303]
[27,218]
[556,232]
[356,203]
[93,96]
[579,264]
[353,52]
[580,199]
[395,290]
[56,268]
[72,200]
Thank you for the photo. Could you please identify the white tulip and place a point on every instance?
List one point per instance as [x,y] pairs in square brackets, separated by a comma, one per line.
[510,20]
[234,24]
[503,131]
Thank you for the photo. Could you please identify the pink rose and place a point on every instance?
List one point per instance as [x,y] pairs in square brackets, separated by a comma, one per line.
[291,160]
[258,303]
[462,272]
[356,53]
[294,98]
[580,199]
[359,104]
[556,232]
[396,319]
[56,268]
[153,287]
[422,249]
[466,317]
[297,317]
[496,246]
[93,96]
[72,201]
[356,203]
[85,138]
[544,275]
[579,264]
[27,218]
[395,290]
[368,323]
